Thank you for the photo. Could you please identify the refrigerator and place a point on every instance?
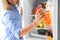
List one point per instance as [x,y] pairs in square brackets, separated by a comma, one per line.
[39,32]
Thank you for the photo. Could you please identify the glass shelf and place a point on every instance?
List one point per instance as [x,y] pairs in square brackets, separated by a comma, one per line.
[32,15]
[37,35]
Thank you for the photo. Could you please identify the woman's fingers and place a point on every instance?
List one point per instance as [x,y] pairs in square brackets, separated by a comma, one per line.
[40,16]
[40,10]
[37,12]
[40,13]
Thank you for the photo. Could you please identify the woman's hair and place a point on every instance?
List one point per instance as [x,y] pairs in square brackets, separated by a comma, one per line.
[6,5]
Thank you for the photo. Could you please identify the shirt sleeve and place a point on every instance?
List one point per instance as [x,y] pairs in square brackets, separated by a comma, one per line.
[13,22]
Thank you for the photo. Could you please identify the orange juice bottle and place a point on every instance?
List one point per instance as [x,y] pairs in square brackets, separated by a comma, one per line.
[47,19]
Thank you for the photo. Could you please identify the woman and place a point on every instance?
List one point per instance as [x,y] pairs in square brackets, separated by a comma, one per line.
[11,19]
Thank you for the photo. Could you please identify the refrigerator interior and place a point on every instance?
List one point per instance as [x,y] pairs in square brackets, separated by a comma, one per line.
[27,6]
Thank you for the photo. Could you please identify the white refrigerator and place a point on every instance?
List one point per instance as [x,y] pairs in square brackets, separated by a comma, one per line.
[28,5]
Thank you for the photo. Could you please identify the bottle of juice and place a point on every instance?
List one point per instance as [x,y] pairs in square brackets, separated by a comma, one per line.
[47,19]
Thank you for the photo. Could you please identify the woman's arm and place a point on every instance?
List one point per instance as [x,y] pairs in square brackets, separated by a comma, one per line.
[28,28]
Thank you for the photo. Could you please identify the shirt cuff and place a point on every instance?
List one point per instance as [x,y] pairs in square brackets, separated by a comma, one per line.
[16,33]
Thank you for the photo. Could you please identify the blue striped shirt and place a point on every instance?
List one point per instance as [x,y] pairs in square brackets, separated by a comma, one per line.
[11,24]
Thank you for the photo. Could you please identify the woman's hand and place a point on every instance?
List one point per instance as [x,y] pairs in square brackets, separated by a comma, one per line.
[40,13]
[21,11]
